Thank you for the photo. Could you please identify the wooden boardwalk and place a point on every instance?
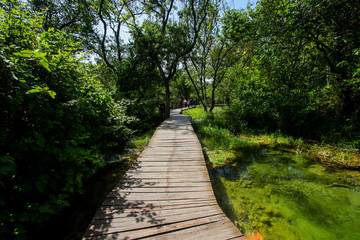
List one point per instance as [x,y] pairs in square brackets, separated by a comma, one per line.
[168,195]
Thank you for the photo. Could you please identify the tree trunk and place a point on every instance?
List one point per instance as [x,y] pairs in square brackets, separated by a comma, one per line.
[167,99]
[212,99]
[196,89]
[347,103]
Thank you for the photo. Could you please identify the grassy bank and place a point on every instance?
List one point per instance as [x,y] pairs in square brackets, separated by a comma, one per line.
[220,143]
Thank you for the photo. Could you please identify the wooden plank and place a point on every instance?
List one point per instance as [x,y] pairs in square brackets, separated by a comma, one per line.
[170,175]
[165,176]
[105,210]
[148,183]
[141,199]
[181,170]
[154,229]
[168,165]
[196,157]
[170,180]
[169,189]
[217,230]
[157,164]
[169,209]
[128,196]
[148,217]
[148,202]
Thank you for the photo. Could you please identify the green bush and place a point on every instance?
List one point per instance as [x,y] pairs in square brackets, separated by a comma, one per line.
[259,108]
[56,121]
[214,131]
[147,113]
[254,106]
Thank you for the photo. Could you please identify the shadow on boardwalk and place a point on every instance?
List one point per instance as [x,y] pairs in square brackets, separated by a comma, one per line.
[167,195]
[117,204]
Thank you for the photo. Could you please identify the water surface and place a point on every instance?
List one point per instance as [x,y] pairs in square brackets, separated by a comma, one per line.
[284,195]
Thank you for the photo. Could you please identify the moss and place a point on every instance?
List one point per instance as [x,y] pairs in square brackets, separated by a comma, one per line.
[220,157]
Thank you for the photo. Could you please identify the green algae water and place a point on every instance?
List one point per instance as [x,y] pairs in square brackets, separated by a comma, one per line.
[284,195]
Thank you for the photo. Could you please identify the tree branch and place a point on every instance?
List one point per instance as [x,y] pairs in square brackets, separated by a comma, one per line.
[196,89]
[103,48]
[166,18]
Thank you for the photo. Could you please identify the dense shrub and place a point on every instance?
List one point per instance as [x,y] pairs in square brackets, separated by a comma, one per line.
[56,122]
[140,85]
[254,106]
[148,113]
[258,107]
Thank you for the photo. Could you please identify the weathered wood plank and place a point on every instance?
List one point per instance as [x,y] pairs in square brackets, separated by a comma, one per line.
[128,196]
[104,209]
[158,210]
[160,166]
[166,195]
[144,218]
[213,231]
[155,229]
[149,183]
[168,189]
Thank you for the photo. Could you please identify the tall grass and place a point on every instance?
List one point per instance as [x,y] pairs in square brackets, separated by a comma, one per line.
[220,142]
[217,139]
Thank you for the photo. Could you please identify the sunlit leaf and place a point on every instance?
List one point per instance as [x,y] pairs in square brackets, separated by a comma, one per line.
[45,64]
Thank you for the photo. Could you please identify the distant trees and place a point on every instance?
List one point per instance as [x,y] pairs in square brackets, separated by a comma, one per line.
[305,65]
[323,29]
[216,52]
[167,34]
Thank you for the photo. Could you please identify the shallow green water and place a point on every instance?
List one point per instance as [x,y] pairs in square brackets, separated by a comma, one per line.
[283,195]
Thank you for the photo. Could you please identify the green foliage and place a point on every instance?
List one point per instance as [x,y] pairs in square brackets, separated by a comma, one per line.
[258,107]
[302,78]
[167,34]
[74,17]
[212,128]
[181,89]
[138,81]
[147,112]
[198,114]
[56,124]
[254,105]
[237,25]
[214,131]
[220,157]
[139,142]
[220,143]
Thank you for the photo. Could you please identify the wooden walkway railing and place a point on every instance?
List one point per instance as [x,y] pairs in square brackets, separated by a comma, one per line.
[168,195]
